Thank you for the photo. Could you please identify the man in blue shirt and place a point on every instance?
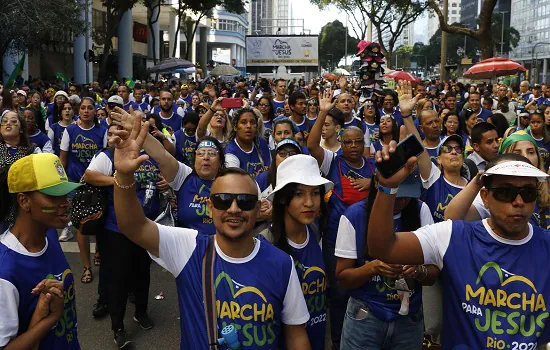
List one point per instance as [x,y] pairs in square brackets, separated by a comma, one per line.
[256,287]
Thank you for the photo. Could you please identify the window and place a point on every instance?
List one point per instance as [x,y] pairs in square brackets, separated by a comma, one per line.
[453,12]
[454,4]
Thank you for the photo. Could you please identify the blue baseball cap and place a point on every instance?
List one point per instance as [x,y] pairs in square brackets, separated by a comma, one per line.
[446,139]
[292,142]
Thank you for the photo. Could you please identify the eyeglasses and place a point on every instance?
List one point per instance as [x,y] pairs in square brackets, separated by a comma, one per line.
[449,149]
[11,122]
[350,143]
[509,194]
[263,104]
[283,153]
[369,106]
[223,201]
[212,153]
[220,115]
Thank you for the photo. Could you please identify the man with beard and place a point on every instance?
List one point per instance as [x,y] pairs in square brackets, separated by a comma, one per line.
[167,114]
[253,278]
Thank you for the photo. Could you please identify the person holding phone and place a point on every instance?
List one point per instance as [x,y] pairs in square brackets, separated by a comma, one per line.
[377,303]
[351,174]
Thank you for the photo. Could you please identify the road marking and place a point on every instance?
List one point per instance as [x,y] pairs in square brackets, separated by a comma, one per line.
[72,247]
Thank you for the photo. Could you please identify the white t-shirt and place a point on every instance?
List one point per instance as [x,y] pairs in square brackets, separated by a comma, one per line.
[346,244]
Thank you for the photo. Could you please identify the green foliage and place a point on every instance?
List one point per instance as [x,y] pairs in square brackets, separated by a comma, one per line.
[511,35]
[37,25]
[331,44]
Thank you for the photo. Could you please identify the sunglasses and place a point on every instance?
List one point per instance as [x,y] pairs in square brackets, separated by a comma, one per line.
[449,149]
[113,105]
[263,104]
[283,153]
[223,201]
[349,143]
[509,194]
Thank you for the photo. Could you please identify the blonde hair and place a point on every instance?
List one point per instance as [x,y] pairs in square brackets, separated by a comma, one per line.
[420,105]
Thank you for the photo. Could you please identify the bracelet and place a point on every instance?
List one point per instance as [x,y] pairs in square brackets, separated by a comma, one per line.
[387,190]
[124,187]
[212,110]
[424,273]
[406,116]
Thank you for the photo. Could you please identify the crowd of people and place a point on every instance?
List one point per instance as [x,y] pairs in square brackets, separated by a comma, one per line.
[262,198]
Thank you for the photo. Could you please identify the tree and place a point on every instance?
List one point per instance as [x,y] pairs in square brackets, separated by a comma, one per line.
[404,52]
[511,35]
[483,34]
[33,26]
[199,10]
[330,43]
[114,11]
[153,13]
[388,17]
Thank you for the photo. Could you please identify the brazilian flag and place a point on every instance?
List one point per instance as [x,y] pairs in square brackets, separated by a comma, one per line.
[17,71]
[130,82]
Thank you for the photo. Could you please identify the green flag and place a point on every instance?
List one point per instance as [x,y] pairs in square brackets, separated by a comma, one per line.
[61,76]
[130,82]
[17,70]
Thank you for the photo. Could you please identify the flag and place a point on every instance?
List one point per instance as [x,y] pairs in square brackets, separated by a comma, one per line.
[129,82]
[61,76]
[17,71]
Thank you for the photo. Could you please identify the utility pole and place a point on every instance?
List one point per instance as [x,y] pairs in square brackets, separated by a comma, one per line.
[369,25]
[502,35]
[442,73]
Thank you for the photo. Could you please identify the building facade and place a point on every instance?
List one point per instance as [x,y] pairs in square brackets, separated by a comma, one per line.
[453,16]
[532,20]
[269,17]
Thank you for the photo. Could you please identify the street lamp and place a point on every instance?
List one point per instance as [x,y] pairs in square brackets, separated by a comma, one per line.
[534,59]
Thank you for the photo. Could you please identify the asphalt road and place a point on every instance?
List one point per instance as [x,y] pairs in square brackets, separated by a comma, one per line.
[97,334]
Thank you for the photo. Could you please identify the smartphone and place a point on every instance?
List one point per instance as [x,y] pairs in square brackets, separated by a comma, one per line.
[232,103]
[409,147]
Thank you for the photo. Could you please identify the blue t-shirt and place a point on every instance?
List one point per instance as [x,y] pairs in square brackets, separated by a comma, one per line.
[249,292]
[144,106]
[83,145]
[58,130]
[174,121]
[382,301]
[192,209]
[157,109]
[374,131]
[261,180]
[432,152]
[185,147]
[310,267]
[544,150]
[132,104]
[49,108]
[494,290]
[25,272]
[278,107]
[396,115]
[483,115]
[251,162]
[439,195]
[268,128]
[336,206]
[39,139]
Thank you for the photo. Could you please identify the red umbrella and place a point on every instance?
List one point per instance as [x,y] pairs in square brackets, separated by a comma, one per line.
[330,76]
[400,75]
[494,67]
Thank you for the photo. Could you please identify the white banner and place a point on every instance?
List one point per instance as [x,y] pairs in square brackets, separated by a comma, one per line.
[282,50]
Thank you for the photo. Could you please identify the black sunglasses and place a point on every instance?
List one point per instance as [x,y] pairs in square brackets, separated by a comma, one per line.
[223,201]
[509,194]
[113,105]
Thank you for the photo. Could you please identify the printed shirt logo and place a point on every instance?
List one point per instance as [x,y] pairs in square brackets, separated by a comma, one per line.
[84,148]
[504,304]
[60,170]
[66,327]
[313,281]
[248,310]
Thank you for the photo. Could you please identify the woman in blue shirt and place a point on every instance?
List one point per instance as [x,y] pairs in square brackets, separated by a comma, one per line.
[55,132]
[37,298]
[79,143]
[297,204]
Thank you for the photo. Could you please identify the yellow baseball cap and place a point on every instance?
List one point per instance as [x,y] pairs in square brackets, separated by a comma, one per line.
[41,172]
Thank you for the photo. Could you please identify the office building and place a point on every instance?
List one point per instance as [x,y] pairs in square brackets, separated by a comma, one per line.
[453,16]
[269,17]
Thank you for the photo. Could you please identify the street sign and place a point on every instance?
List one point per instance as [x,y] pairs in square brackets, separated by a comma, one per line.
[466,61]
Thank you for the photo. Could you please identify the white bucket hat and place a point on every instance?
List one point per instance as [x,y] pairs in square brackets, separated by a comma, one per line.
[301,169]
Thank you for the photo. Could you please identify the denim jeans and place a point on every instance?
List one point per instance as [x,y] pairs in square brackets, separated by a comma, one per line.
[371,333]
[337,297]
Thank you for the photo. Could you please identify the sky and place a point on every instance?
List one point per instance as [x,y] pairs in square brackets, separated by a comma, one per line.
[315,19]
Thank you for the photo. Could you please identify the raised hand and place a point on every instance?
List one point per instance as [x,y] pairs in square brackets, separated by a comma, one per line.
[406,100]
[128,146]
[325,103]
[123,119]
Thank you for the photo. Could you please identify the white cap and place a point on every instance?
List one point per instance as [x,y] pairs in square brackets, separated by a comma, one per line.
[75,99]
[116,99]
[516,168]
[61,93]
[301,169]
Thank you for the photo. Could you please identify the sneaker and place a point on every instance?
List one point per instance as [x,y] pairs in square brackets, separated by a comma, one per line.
[121,338]
[66,234]
[100,310]
[144,321]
